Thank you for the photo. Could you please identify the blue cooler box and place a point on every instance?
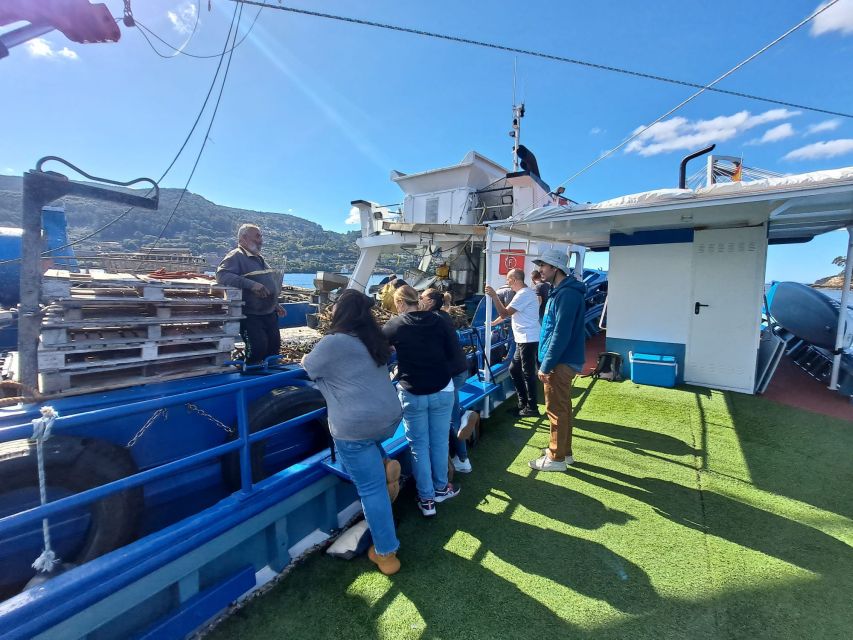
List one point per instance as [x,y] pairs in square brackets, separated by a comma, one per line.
[659,371]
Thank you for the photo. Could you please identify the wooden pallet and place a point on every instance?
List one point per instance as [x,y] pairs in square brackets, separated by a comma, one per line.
[88,336]
[79,357]
[126,311]
[60,284]
[115,376]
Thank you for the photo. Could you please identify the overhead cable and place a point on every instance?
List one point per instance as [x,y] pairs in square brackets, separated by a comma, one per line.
[180,50]
[204,140]
[171,164]
[547,56]
[696,94]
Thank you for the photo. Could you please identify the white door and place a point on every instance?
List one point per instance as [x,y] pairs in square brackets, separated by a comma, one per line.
[725,308]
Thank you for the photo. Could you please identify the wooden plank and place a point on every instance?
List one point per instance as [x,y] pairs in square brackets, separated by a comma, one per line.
[123,321]
[116,376]
[105,315]
[89,359]
[65,336]
[62,284]
[57,339]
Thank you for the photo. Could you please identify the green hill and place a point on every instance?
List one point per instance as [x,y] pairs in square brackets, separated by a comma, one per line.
[292,243]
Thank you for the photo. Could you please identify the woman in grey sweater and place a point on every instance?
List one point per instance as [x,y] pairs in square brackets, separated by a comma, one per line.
[350,367]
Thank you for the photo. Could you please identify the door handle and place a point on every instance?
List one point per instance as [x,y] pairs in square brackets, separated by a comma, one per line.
[697,306]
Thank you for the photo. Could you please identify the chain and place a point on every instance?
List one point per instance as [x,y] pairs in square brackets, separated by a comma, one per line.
[147,425]
[195,408]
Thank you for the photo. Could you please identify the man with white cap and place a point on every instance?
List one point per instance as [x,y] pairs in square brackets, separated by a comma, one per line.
[561,355]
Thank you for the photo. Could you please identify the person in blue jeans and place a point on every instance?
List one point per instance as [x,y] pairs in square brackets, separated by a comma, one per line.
[425,345]
[461,422]
[350,367]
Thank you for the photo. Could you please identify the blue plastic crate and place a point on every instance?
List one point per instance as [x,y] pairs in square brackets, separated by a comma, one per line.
[658,371]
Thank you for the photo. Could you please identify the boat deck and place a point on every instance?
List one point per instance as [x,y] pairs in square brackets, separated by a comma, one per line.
[689,514]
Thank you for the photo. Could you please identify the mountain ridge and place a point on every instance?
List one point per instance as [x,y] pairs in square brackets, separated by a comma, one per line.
[292,243]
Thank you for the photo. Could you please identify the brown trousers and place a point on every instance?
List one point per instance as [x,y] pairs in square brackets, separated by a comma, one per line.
[558,406]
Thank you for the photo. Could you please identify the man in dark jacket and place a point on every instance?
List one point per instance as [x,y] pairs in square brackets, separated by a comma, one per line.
[245,268]
[561,355]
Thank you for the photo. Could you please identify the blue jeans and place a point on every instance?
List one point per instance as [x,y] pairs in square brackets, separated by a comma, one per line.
[362,460]
[426,418]
[457,446]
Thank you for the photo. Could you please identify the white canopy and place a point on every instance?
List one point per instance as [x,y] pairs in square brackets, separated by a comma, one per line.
[796,207]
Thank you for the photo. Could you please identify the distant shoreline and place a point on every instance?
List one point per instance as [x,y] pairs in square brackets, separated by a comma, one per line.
[830,282]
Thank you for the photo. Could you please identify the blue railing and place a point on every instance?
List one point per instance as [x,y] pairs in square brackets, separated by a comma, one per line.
[243,442]
[292,377]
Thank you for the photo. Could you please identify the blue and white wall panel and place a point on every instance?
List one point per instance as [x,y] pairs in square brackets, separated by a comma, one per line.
[649,282]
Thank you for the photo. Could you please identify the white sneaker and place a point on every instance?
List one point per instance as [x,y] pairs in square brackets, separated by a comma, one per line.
[546,464]
[461,466]
[467,424]
[569,459]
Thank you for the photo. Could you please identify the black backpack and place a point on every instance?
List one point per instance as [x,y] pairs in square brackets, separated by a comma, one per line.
[609,366]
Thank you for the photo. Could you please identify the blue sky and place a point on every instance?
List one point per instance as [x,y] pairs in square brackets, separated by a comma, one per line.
[316,113]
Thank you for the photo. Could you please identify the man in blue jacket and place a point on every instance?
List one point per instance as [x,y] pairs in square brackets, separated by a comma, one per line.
[561,355]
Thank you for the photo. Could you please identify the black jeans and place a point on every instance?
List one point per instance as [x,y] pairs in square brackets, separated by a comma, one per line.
[523,372]
[260,333]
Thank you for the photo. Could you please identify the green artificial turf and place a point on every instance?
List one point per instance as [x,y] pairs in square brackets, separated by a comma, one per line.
[689,514]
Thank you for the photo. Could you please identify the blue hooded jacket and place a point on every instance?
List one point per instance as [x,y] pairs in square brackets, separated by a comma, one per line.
[562,339]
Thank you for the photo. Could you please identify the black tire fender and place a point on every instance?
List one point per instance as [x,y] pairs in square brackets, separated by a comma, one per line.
[275,407]
[78,464]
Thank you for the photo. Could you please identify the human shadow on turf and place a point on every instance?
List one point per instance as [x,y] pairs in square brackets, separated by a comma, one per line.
[635,439]
[723,517]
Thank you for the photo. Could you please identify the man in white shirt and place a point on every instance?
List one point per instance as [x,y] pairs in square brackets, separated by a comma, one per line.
[523,310]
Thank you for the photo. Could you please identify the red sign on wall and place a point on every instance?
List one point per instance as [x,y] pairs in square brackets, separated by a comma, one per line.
[511,259]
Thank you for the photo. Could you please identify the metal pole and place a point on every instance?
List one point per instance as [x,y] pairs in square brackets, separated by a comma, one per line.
[487,325]
[842,312]
[29,317]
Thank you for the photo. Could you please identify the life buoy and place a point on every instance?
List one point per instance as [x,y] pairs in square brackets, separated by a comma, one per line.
[284,449]
[72,465]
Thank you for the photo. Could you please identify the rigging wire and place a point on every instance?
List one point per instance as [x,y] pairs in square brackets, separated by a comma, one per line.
[171,164]
[548,56]
[204,140]
[179,50]
[523,214]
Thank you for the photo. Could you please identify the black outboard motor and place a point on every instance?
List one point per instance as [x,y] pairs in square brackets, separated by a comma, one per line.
[528,160]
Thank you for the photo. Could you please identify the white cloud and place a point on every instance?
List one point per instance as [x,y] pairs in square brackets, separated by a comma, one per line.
[9,171]
[836,18]
[826,125]
[183,17]
[679,133]
[826,149]
[775,134]
[595,131]
[41,48]
[354,216]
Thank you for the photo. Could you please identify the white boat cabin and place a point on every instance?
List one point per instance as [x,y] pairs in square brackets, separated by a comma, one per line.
[687,266]
[443,214]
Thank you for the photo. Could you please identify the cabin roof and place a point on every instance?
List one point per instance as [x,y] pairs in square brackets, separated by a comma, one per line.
[797,208]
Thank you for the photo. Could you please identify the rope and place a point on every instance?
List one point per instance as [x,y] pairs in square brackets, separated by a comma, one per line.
[41,431]
[28,394]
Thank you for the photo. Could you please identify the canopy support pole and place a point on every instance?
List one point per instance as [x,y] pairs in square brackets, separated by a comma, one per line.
[487,323]
[842,314]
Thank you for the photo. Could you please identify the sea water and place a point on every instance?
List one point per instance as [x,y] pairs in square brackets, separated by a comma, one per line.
[306,280]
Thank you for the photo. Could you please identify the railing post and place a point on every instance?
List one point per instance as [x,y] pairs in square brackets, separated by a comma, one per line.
[245,450]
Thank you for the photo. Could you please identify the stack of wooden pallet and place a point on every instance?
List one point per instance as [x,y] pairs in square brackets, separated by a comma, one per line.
[106,330]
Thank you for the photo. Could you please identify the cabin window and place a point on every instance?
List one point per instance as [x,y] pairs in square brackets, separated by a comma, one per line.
[431,211]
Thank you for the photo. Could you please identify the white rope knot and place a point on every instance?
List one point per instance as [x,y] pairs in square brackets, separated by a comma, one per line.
[41,431]
[42,426]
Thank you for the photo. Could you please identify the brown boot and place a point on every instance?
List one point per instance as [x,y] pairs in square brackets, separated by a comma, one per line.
[387,563]
[392,477]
